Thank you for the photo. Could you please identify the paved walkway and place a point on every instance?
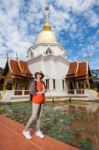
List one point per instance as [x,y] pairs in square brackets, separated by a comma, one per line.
[11,138]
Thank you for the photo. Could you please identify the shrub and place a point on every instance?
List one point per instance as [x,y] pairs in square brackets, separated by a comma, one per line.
[85,145]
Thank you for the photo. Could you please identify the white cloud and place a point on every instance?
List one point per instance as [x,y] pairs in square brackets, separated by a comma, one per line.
[14,24]
[2,63]
[91,52]
[76,5]
[92,17]
[94,64]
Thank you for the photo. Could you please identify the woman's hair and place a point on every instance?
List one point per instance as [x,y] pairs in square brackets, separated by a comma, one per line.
[41,73]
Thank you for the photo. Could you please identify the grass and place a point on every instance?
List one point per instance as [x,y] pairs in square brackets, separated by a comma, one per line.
[58,122]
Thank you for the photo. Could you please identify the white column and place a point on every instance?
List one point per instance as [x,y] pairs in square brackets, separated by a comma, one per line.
[51,84]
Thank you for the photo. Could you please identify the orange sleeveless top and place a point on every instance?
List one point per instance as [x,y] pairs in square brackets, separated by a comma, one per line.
[39,98]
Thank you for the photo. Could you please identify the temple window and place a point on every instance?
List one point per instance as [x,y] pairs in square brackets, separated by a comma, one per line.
[19,86]
[47,83]
[9,86]
[48,52]
[71,85]
[63,84]
[54,84]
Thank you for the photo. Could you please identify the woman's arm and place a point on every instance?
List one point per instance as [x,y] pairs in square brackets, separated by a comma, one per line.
[33,90]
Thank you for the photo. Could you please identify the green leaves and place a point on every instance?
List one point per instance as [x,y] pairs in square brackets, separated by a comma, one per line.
[85,145]
[68,119]
[91,132]
[68,136]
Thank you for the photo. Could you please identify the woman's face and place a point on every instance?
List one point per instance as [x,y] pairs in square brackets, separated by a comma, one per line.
[39,76]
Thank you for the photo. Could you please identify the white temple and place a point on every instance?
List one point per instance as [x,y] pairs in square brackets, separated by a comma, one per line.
[48,56]
[63,79]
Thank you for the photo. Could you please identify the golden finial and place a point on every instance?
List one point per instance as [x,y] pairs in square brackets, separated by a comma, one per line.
[46,25]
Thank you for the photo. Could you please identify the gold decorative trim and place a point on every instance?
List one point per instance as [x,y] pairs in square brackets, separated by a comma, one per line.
[46,26]
[77,68]
[87,67]
[20,66]
[9,65]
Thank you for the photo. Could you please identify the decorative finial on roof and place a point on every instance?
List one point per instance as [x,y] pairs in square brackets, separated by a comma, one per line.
[78,58]
[16,55]
[47,25]
[7,55]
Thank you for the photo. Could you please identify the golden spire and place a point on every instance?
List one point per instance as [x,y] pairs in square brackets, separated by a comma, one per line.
[47,35]
[46,25]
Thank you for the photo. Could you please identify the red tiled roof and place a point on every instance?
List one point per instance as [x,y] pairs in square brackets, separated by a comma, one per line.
[82,70]
[72,69]
[14,68]
[24,67]
[78,70]
[17,68]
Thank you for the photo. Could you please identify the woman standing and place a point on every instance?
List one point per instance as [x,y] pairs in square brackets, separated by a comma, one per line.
[38,100]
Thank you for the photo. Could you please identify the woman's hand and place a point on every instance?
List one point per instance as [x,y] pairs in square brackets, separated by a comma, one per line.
[40,92]
[43,91]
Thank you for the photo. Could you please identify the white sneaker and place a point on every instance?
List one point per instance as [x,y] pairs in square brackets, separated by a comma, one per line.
[40,134]
[27,134]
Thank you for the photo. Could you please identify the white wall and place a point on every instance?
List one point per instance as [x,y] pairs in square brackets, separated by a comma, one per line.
[41,50]
[53,68]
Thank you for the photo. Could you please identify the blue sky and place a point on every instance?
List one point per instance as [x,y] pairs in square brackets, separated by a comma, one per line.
[75,23]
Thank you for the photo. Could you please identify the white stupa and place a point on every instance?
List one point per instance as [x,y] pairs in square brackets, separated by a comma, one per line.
[48,56]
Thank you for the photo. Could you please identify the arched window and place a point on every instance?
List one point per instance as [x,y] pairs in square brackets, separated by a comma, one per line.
[48,52]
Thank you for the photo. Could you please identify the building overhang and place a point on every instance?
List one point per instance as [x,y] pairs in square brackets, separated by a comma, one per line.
[47,58]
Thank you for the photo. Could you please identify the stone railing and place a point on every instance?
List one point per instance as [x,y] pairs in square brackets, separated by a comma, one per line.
[8,95]
[76,91]
[21,92]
